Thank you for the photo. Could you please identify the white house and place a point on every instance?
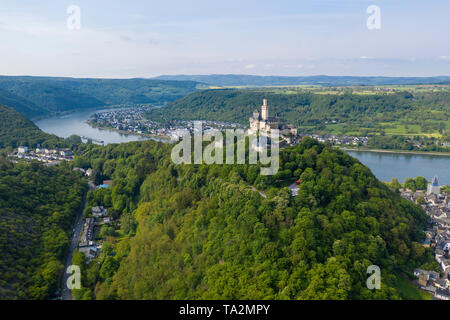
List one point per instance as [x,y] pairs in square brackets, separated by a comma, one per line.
[98,212]
[445,264]
[65,153]
[22,149]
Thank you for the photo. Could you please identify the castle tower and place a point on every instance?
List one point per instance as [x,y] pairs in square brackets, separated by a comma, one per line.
[265,110]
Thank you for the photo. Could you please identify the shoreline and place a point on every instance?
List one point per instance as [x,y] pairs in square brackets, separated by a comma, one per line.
[164,139]
[431,153]
[69,112]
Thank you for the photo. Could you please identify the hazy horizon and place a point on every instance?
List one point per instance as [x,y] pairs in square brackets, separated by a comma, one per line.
[220,74]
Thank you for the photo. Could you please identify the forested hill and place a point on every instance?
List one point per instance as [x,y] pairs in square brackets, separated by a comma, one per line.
[252,80]
[37,96]
[20,104]
[38,205]
[306,108]
[201,232]
[17,130]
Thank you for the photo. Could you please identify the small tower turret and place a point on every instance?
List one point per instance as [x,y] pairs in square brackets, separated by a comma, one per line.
[265,110]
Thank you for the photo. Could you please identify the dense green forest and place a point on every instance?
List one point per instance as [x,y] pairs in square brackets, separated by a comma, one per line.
[38,205]
[38,96]
[16,130]
[344,113]
[201,232]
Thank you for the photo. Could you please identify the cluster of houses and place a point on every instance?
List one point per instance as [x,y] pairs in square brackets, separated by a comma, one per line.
[420,145]
[133,120]
[49,156]
[436,203]
[88,244]
[341,140]
[98,217]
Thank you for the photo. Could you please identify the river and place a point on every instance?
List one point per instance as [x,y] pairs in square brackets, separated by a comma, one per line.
[384,165]
[75,123]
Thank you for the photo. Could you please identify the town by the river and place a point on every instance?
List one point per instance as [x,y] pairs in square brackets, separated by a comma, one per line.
[384,165]
[75,123]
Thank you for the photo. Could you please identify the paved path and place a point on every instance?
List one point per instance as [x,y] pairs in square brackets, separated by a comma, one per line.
[260,192]
[66,293]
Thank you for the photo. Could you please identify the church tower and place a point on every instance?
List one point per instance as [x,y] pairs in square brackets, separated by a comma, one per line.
[265,110]
[433,187]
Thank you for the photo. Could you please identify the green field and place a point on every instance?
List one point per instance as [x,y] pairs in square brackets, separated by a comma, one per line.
[410,292]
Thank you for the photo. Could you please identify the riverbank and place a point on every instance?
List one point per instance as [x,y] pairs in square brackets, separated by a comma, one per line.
[404,165]
[75,124]
[70,112]
[163,138]
[430,153]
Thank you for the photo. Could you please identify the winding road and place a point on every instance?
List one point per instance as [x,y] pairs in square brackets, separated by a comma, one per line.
[66,293]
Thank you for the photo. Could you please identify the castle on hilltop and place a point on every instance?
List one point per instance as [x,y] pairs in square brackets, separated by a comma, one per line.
[263,123]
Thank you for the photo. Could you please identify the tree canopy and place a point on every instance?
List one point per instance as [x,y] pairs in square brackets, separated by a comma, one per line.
[38,205]
[201,232]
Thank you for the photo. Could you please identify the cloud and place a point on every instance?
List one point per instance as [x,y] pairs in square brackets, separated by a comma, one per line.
[250,66]
[446,58]
[300,66]
[364,57]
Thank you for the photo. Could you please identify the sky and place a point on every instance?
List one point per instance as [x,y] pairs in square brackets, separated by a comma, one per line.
[125,39]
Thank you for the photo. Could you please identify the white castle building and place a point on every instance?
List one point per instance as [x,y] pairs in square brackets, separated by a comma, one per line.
[263,123]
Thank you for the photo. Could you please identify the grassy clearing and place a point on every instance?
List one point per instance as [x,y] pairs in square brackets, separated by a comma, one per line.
[410,292]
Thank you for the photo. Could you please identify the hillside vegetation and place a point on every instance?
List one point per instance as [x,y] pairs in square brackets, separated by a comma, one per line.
[346,113]
[200,232]
[16,130]
[38,96]
[38,205]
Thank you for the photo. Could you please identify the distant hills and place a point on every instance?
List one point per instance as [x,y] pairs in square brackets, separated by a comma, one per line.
[41,96]
[38,96]
[251,80]
[314,111]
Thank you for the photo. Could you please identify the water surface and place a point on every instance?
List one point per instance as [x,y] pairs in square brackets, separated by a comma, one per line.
[75,123]
[401,166]
[384,165]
